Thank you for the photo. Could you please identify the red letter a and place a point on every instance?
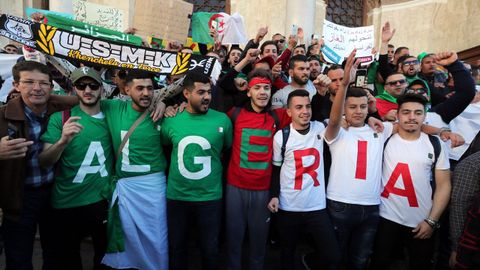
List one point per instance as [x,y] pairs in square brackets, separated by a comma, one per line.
[409,191]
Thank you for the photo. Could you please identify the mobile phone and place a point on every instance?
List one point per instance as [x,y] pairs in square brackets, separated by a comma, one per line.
[294,30]
[361,77]
[12,132]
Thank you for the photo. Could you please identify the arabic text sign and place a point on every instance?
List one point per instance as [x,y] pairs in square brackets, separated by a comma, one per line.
[165,19]
[99,15]
[342,40]
[65,44]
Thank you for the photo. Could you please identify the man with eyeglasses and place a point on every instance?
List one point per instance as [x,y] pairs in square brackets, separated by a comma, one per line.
[82,150]
[395,85]
[279,39]
[25,187]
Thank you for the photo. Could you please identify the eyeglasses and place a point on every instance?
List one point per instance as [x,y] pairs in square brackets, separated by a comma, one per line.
[83,86]
[411,63]
[43,84]
[393,83]
[281,40]
[418,91]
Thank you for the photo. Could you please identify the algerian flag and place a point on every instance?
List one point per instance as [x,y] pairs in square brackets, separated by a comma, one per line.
[231,29]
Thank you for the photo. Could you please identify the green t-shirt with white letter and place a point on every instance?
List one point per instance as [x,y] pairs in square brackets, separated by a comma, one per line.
[86,164]
[198,140]
[143,152]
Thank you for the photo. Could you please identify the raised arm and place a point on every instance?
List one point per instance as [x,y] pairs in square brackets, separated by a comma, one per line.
[336,113]
[383,67]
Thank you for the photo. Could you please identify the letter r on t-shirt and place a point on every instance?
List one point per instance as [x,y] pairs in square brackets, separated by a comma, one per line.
[300,169]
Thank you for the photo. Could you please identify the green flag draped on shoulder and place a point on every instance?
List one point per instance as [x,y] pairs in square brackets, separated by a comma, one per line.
[62,43]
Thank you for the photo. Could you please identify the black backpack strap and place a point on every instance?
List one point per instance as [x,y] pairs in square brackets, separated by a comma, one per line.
[235,113]
[285,135]
[437,148]
[275,118]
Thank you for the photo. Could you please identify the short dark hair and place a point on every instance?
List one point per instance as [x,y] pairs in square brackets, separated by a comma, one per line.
[405,57]
[356,92]
[332,67]
[137,74]
[411,98]
[192,77]
[391,46]
[399,49]
[295,59]
[297,93]
[393,73]
[266,43]
[30,66]
[234,48]
[261,73]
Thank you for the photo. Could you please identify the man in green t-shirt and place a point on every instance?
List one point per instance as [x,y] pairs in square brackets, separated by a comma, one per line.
[194,189]
[137,224]
[82,150]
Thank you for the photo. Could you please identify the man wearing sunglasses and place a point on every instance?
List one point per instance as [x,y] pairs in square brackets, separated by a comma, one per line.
[82,150]
[395,85]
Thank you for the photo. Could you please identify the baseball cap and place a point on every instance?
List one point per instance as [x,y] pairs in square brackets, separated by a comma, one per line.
[85,72]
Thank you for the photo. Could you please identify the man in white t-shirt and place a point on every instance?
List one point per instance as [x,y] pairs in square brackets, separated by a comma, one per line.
[354,184]
[413,199]
[299,72]
[298,184]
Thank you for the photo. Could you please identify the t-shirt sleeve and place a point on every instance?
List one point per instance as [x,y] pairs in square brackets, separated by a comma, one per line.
[443,163]
[387,130]
[228,134]
[54,129]
[277,100]
[110,107]
[277,159]
[165,131]
[341,133]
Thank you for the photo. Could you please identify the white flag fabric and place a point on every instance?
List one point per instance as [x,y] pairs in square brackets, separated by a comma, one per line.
[234,30]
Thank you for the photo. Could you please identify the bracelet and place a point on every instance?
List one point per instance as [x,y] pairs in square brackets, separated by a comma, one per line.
[434,224]
[444,129]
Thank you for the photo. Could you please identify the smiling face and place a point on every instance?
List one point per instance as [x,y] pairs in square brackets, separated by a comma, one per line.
[34,88]
[259,95]
[270,50]
[300,110]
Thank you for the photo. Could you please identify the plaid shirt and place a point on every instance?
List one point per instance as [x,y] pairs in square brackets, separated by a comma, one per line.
[36,176]
[465,186]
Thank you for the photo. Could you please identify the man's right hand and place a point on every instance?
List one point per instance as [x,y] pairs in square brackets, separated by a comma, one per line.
[14,148]
[391,116]
[321,83]
[387,33]
[273,205]
[70,129]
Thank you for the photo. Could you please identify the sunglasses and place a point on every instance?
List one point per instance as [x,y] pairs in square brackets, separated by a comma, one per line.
[411,63]
[83,86]
[418,91]
[393,83]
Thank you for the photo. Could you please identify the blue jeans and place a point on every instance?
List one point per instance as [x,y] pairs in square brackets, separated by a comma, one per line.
[246,209]
[19,235]
[355,226]
[207,218]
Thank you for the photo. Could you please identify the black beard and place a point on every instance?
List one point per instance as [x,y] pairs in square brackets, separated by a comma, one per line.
[299,81]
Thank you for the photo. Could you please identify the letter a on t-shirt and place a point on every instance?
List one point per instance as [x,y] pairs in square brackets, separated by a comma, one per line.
[403,170]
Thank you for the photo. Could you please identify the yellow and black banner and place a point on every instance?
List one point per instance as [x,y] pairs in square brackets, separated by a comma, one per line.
[73,46]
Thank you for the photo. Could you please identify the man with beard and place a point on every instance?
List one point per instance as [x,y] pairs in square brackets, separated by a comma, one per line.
[81,147]
[194,191]
[395,85]
[315,67]
[410,210]
[137,220]
[299,71]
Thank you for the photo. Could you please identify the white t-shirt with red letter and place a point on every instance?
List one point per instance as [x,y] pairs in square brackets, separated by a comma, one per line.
[356,171]
[302,183]
[406,179]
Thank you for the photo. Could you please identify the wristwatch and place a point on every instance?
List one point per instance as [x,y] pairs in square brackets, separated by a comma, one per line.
[433,223]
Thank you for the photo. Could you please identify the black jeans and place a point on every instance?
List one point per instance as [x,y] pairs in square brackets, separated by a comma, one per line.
[73,225]
[207,218]
[391,235]
[318,226]
[19,235]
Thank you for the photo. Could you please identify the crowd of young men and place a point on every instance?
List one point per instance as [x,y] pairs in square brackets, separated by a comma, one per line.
[312,152]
